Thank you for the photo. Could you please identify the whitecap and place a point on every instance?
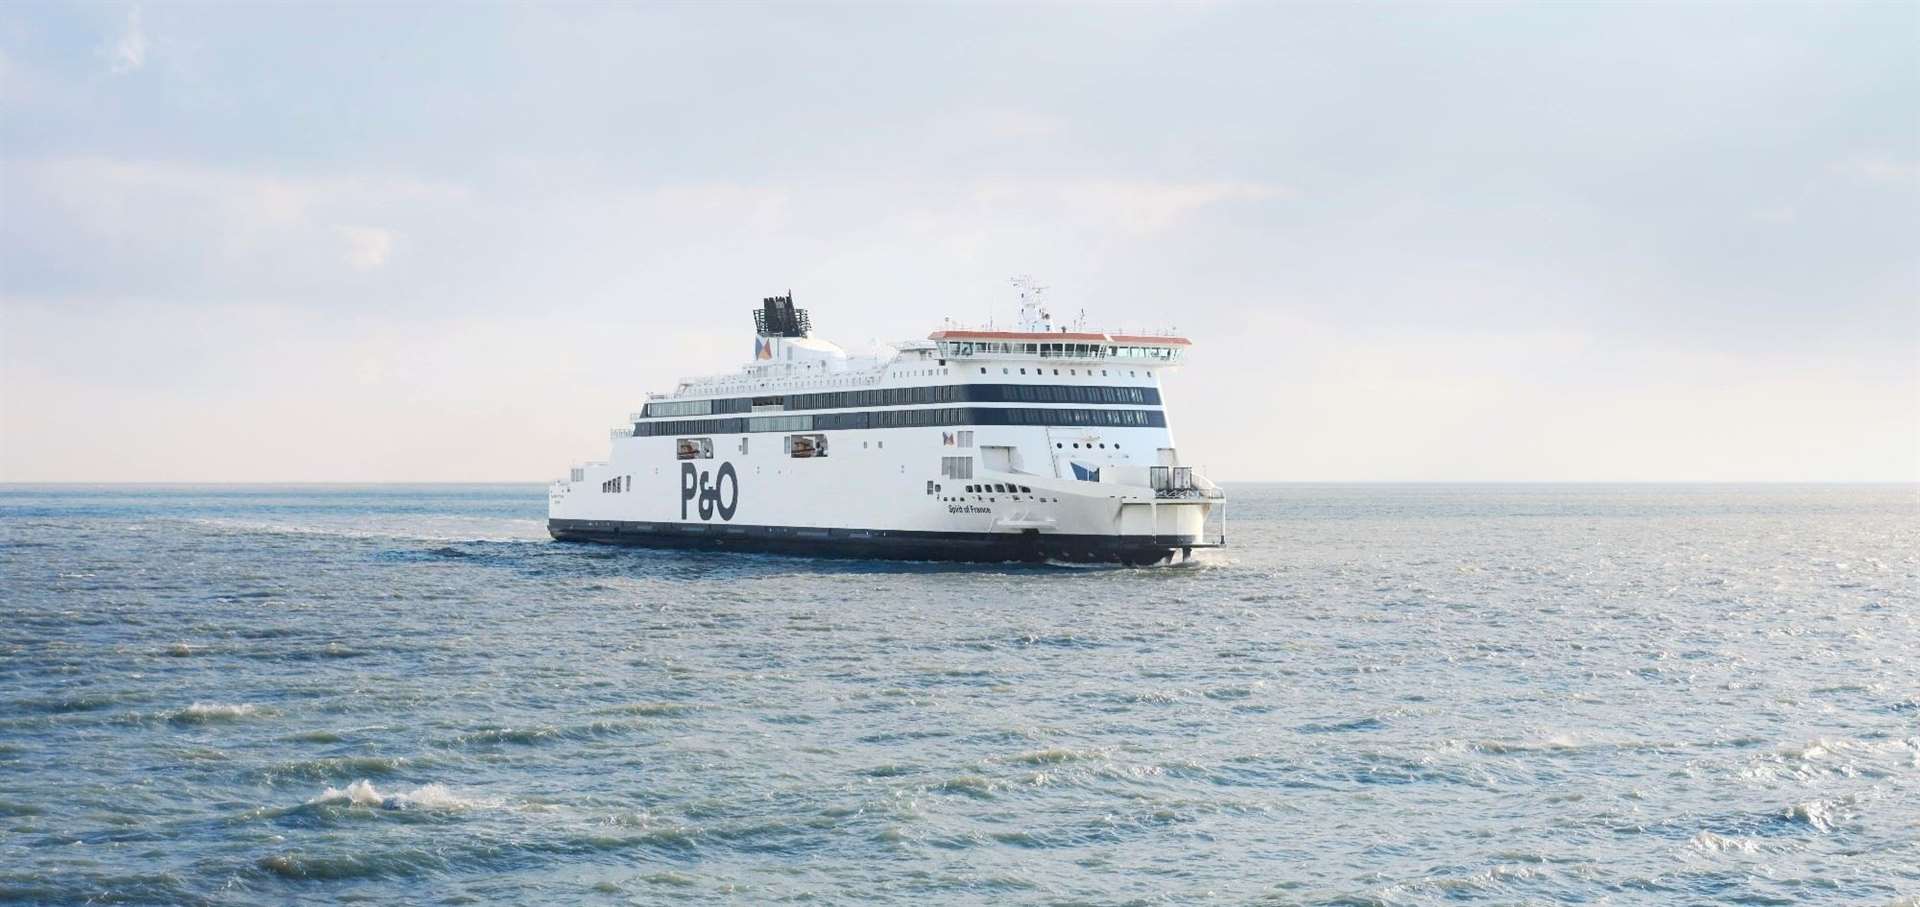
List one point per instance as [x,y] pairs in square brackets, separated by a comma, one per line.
[202,712]
[1819,814]
[1712,843]
[1554,744]
[1814,749]
[434,796]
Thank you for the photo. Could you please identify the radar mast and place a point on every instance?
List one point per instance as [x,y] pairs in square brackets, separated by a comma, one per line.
[1033,318]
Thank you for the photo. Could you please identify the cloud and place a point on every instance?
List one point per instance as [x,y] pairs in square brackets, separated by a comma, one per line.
[999,124]
[80,226]
[250,392]
[1490,404]
[1129,205]
[1881,169]
[128,52]
[367,247]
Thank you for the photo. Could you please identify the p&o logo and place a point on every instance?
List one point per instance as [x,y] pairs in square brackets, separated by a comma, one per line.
[717,491]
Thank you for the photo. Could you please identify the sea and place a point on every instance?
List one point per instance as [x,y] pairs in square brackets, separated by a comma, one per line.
[1376,695]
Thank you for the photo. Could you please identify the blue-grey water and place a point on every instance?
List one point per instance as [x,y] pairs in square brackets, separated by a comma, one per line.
[1378,695]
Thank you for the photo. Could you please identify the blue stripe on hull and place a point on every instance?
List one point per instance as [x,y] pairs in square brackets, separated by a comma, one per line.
[978,547]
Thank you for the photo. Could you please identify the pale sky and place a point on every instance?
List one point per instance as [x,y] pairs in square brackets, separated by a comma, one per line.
[266,242]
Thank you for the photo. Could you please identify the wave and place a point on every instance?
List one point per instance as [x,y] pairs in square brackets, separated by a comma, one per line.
[210,712]
[1554,744]
[546,733]
[321,736]
[1054,755]
[60,705]
[337,766]
[358,865]
[1820,815]
[1369,723]
[649,709]
[971,786]
[1712,843]
[436,797]
[1818,748]
[1575,745]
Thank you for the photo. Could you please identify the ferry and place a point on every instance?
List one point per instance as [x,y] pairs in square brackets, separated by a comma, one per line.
[1034,444]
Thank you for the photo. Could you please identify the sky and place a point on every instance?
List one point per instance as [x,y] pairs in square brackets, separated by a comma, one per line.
[1410,242]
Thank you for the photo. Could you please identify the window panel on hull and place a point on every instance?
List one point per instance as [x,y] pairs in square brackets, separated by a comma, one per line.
[911,396]
[910,418]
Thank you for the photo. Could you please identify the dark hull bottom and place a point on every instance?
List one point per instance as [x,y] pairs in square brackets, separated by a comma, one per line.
[977,547]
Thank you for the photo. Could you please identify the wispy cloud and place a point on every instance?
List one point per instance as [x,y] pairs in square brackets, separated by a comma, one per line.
[128,52]
[111,225]
[1130,205]
[1882,169]
[1148,207]
[367,247]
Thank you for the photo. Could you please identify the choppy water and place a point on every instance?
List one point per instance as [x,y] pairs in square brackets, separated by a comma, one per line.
[1380,695]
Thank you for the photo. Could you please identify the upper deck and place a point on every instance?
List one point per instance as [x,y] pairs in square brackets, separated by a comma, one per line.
[786,359]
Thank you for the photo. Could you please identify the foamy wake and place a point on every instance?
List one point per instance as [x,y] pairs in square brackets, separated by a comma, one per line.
[430,796]
[491,531]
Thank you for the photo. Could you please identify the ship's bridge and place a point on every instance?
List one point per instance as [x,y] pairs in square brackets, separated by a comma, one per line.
[1147,349]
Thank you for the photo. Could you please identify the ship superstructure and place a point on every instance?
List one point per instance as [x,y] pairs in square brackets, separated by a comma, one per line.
[1032,444]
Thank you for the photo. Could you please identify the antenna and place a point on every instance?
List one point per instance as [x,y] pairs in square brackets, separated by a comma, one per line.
[1033,318]
[1028,287]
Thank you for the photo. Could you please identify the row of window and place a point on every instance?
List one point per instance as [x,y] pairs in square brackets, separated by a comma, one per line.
[679,408]
[779,423]
[996,488]
[955,349]
[909,396]
[907,418]
[956,467]
[616,485]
